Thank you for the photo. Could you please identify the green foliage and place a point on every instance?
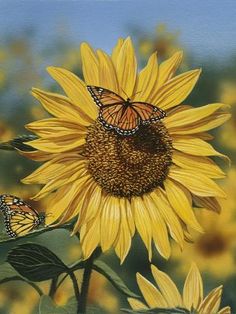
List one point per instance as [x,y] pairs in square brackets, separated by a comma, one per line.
[35,262]
[47,306]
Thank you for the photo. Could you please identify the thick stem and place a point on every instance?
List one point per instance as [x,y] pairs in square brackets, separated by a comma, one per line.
[53,287]
[76,288]
[85,282]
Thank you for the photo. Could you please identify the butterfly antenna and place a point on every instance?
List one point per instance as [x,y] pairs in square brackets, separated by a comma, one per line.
[136,93]
[125,93]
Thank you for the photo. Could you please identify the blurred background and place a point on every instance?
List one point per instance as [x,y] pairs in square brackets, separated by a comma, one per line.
[36,34]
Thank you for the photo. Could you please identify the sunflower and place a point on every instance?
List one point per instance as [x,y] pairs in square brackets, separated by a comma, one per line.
[214,250]
[168,296]
[116,184]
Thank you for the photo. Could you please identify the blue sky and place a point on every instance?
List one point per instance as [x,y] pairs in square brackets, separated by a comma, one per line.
[208,27]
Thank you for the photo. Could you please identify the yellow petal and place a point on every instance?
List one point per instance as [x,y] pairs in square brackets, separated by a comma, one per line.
[123,242]
[209,203]
[89,65]
[225,310]
[194,146]
[126,68]
[130,218]
[197,183]
[92,208]
[176,90]
[152,296]
[211,303]
[167,287]
[61,107]
[57,145]
[56,127]
[76,90]
[116,50]
[147,80]
[110,222]
[158,226]
[199,163]
[107,73]
[190,116]
[193,288]
[203,125]
[168,215]
[142,222]
[136,304]
[180,200]
[168,68]
[36,155]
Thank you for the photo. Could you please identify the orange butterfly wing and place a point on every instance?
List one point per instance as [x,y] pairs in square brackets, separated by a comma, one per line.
[115,114]
[147,112]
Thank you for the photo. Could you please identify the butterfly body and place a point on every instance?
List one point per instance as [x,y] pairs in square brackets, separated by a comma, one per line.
[124,116]
[19,217]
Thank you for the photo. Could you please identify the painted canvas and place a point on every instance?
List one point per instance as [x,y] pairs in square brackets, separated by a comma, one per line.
[117,157]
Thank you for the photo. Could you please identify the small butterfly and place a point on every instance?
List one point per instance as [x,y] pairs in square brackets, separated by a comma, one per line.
[123,115]
[19,217]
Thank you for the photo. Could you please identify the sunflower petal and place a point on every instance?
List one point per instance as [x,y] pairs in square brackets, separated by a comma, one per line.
[76,90]
[198,163]
[197,183]
[176,90]
[168,215]
[194,146]
[61,107]
[193,288]
[159,229]
[89,65]
[123,242]
[225,310]
[107,74]
[147,80]
[142,222]
[136,304]
[167,287]
[126,67]
[179,199]
[190,116]
[210,203]
[168,68]
[152,296]
[116,50]
[211,303]
[110,222]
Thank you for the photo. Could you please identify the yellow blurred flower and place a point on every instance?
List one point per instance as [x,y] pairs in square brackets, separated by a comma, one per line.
[166,294]
[214,250]
[6,133]
[116,184]
[228,92]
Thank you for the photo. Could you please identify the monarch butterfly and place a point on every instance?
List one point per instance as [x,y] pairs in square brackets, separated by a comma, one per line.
[19,217]
[123,115]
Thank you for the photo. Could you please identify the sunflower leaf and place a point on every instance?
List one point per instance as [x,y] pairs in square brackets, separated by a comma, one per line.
[35,262]
[18,143]
[47,306]
[115,280]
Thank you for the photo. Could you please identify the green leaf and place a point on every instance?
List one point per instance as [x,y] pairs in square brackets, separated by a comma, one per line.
[19,143]
[47,306]
[115,280]
[35,262]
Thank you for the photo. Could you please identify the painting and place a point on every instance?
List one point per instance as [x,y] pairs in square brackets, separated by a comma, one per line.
[117,157]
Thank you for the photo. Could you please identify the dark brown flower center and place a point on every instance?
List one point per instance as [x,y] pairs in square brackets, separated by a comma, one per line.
[212,244]
[127,166]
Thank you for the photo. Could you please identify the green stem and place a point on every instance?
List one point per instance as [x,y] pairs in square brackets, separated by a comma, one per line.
[76,288]
[53,287]
[17,278]
[88,265]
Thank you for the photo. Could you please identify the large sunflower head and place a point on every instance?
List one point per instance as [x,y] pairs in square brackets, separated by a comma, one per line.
[117,184]
[166,295]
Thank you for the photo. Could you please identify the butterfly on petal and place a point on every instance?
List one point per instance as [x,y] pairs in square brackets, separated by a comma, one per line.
[123,115]
[19,217]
